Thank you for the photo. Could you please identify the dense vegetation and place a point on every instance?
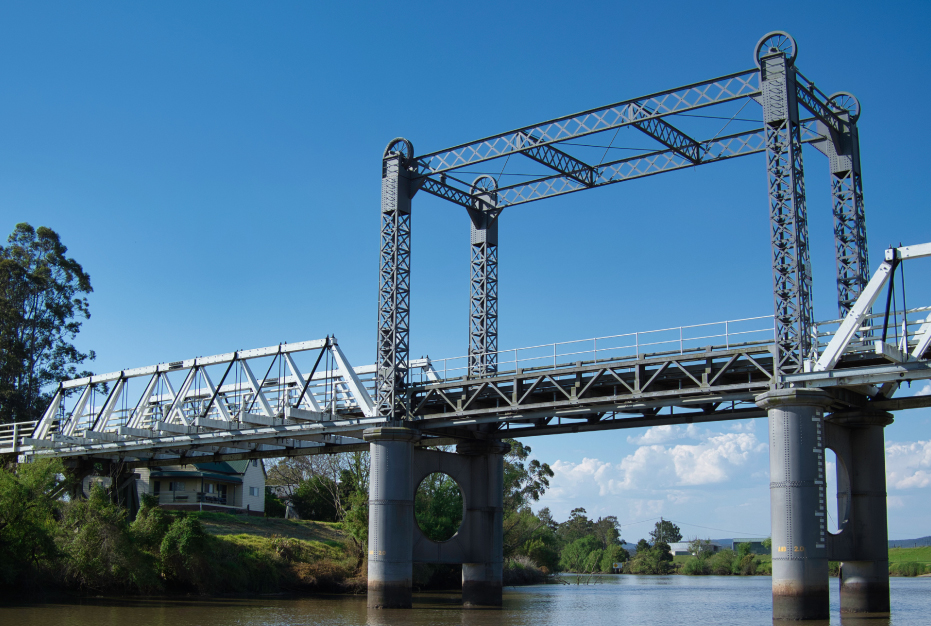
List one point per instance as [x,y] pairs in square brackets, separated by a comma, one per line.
[741,562]
[90,546]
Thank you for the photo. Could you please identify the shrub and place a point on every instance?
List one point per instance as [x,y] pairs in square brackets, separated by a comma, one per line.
[582,555]
[696,566]
[541,552]
[612,555]
[151,523]
[27,520]
[522,570]
[746,565]
[274,507]
[183,552]
[722,563]
[910,568]
[98,547]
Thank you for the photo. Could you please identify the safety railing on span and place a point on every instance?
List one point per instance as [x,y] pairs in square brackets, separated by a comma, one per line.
[674,340]
[903,329]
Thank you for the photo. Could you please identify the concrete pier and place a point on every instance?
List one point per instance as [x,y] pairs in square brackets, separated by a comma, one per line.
[862,541]
[797,497]
[484,516]
[391,517]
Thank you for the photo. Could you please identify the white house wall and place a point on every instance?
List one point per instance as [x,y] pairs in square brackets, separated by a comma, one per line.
[254,477]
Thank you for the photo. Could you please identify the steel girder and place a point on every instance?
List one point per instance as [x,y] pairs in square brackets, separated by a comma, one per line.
[629,112]
[483,280]
[788,216]
[394,278]
[697,377]
[719,149]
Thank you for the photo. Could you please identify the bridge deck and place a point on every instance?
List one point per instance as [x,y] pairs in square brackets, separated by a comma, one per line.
[557,388]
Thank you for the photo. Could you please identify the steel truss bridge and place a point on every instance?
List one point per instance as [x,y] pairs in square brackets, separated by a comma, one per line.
[708,372]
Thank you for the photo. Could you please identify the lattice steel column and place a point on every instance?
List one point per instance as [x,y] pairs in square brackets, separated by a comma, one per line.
[788,216]
[394,279]
[853,264]
[483,283]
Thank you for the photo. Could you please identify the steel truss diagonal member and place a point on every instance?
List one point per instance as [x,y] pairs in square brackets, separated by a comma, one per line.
[788,216]
[483,280]
[843,151]
[394,279]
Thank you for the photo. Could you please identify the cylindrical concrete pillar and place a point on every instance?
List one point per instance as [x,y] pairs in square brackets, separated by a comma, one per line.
[796,462]
[864,585]
[391,517]
[482,581]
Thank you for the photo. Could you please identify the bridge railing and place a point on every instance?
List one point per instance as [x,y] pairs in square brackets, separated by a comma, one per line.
[674,340]
[10,434]
[904,330]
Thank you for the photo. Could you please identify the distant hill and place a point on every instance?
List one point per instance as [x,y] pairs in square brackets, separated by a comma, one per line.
[910,543]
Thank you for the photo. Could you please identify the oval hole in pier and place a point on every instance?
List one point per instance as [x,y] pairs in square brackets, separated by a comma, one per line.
[438,506]
[836,491]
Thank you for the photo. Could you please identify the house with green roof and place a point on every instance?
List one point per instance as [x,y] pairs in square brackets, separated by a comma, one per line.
[230,486]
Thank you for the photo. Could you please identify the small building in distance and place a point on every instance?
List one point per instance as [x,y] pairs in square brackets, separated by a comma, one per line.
[756,544]
[681,548]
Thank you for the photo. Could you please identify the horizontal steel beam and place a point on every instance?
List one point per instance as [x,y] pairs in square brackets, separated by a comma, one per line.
[901,404]
[869,375]
[681,99]
[719,149]
[643,421]
[201,361]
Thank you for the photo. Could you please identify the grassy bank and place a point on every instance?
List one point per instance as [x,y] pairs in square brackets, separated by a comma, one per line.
[910,561]
[90,547]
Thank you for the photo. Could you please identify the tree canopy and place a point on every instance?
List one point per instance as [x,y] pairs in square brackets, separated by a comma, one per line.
[42,305]
[665,532]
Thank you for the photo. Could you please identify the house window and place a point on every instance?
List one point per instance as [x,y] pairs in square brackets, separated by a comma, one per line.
[175,486]
[253,491]
[158,487]
[210,488]
[255,462]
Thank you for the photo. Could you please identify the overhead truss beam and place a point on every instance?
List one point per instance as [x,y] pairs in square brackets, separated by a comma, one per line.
[638,110]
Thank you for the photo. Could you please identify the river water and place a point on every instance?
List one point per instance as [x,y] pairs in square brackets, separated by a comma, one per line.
[634,600]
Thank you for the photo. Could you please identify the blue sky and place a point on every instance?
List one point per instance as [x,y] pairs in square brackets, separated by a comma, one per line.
[215,167]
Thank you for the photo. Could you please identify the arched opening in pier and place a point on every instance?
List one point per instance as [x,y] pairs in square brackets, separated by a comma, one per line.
[438,507]
[837,491]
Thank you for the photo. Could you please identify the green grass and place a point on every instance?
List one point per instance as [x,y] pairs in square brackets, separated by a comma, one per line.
[225,524]
[906,555]
[682,558]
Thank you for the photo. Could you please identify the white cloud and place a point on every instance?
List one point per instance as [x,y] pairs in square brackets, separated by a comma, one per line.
[714,459]
[908,464]
[925,389]
[664,434]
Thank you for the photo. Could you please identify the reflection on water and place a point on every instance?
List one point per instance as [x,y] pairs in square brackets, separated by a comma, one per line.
[635,600]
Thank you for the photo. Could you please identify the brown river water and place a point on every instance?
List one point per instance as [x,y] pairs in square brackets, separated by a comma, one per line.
[635,600]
